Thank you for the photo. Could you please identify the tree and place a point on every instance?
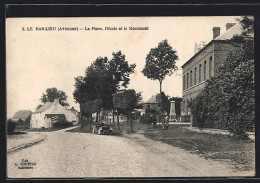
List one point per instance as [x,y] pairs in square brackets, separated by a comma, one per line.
[127,101]
[160,62]
[54,93]
[88,108]
[102,79]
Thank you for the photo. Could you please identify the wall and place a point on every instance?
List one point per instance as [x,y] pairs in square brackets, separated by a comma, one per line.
[222,50]
[193,90]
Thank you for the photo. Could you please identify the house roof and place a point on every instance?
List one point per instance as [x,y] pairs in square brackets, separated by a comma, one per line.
[152,100]
[22,114]
[44,107]
[234,30]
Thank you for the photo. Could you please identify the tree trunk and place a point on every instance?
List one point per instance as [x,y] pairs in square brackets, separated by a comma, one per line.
[99,116]
[90,120]
[131,123]
[118,121]
[127,119]
[81,121]
[96,117]
[160,116]
[113,113]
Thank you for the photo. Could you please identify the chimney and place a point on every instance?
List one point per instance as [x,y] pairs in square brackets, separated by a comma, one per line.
[229,25]
[216,32]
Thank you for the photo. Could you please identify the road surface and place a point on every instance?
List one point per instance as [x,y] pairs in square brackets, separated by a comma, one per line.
[77,155]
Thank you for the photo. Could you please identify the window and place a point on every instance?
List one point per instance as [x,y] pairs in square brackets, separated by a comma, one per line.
[195,75]
[200,73]
[191,78]
[187,80]
[184,82]
[210,66]
[205,63]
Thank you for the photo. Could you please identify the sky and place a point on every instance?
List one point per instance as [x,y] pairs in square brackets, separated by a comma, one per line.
[37,60]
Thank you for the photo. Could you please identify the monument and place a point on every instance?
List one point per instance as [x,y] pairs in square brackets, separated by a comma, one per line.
[172,112]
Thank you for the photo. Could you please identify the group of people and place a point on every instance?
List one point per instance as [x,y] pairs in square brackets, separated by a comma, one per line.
[164,120]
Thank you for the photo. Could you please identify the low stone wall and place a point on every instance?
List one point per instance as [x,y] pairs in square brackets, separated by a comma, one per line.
[217,131]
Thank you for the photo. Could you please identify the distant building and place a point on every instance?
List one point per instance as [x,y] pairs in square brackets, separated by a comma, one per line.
[50,113]
[21,114]
[205,63]
[153,102]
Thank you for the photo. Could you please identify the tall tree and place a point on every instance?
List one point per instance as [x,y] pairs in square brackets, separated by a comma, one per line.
[160,62]
[54,93]
[102,79]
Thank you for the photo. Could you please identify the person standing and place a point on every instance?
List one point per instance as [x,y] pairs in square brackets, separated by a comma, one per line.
[167,122]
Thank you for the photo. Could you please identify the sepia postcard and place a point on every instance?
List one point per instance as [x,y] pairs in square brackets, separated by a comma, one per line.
[130,97]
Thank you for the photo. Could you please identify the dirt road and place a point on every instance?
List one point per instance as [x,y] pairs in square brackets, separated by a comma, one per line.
[67,154]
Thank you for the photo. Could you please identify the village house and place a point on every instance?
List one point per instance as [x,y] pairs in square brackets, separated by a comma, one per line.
[205,63]
[50,113]
[152,103]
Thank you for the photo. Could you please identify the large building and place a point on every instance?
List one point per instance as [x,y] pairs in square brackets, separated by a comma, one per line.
[205,62]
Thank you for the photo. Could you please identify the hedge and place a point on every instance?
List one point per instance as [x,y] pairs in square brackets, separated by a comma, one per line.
[228,99]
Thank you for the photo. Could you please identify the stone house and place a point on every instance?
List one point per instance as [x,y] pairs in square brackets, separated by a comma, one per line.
[153,102]
[51,112]
[204,64]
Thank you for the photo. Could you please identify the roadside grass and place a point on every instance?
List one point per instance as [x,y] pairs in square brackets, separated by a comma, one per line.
[240,153]
[85,129]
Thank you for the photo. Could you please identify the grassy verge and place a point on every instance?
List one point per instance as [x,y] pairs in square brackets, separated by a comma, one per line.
[219,147]
[241,153]
[46,129]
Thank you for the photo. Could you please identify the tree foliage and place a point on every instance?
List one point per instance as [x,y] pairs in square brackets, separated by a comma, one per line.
[54,93]
[90,107]
[228,99]
[102,79]
[127,101]
[160,62]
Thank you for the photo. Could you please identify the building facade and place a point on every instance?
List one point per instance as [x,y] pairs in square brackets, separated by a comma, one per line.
[205,63]
[41,117]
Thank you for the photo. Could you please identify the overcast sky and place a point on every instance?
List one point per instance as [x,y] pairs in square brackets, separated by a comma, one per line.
[37,60]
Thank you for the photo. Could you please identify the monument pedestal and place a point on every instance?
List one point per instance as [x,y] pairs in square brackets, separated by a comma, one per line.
[172,112]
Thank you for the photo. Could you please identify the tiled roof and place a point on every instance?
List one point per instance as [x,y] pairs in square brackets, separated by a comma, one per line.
[152,100]
[44,107]
[22,114]
[234,30]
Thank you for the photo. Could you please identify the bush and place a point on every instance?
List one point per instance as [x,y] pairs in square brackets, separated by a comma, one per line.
[147,119]
[10,126]
[62,124]
[228,99]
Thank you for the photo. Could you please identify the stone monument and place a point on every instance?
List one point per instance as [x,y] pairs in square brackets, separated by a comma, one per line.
[172,112]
